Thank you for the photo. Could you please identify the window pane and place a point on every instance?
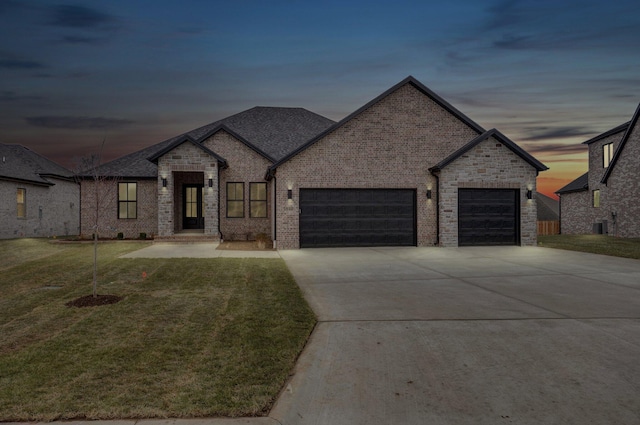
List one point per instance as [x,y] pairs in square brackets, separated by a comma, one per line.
[122,210]
[131,210]
[234,209]
[239,191]
[258,209]
[20,196]
[258,192]
[131,191]
[596,198]
[122,191]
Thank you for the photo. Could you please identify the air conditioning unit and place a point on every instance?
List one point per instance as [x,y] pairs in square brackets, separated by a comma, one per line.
[597,228]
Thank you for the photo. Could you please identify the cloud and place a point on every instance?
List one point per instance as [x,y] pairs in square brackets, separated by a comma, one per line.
[556,148]
[546,133]
[20,64]
[77,123]
[73,16]
[11,96]
[74,39]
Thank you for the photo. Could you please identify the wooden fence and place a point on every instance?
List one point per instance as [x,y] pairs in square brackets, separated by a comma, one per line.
[548,227]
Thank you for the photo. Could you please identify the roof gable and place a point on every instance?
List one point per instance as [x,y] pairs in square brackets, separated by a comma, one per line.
[481,138]
[186,139]
[409,80]
[623,142]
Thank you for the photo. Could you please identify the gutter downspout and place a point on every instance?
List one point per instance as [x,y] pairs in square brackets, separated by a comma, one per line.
[437,210]
[219,231]
[275,212]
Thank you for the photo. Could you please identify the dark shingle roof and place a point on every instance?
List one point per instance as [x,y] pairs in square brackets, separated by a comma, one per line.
[481,138]
[548,208]
[271,131]
[623,142]
[578,185]
[21,163]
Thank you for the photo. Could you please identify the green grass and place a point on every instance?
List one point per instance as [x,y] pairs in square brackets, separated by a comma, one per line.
[596,244]
[196,337]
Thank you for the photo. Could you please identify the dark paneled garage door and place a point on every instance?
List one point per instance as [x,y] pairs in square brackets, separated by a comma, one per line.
[357,217]
[488,217]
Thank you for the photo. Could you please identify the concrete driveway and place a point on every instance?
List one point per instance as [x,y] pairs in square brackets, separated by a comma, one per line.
[466,336]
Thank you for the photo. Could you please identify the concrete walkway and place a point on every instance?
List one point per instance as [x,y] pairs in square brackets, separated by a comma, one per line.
[195,250]
[466,336]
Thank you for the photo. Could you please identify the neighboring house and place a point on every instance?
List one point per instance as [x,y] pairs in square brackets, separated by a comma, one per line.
[38,198]
[548,215]
[607,198]
[405,169]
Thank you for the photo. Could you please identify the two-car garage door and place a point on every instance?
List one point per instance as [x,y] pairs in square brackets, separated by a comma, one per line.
[357,217]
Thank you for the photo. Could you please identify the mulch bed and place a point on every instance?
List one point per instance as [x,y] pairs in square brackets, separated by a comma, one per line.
[91,301]
[244,246]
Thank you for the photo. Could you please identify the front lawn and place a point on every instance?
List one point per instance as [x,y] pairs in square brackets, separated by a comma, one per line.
[596,244]
[193,338]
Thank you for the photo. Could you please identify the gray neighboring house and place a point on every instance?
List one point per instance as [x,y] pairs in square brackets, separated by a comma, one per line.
[407,169]
[606,199]
[38,198]
[548,208]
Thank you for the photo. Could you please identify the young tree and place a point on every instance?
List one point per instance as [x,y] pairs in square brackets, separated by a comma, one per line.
[104,195]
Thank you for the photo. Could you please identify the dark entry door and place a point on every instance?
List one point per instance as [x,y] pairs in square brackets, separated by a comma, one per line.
[357,217]
[488,217]
[192,207]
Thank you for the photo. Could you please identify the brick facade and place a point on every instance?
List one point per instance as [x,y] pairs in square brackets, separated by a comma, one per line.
[576,213]
[245,166]
[391,144]
[623,191]
[109,225]
[50,210]
[489,165]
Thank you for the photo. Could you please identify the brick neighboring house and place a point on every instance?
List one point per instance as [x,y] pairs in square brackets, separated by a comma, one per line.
[38,198]
[606,199]
[405,169]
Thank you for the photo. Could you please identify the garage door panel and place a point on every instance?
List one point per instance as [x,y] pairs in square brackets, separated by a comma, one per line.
[488,217]
[357,217]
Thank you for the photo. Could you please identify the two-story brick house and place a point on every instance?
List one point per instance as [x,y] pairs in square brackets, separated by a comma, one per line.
[405,169]
[606,198]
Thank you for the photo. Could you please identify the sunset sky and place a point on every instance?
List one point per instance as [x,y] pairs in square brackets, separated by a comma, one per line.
[548,74]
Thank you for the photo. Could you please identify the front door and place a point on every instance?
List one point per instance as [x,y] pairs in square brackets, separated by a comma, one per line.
[192,207]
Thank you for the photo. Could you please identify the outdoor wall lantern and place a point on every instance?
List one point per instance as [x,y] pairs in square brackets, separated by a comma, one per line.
[210,182]
[164,182]
[289,194]
[529,194]
[428,193]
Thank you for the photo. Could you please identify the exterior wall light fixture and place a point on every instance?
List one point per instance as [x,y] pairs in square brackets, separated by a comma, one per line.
[164,182]
[289,194]
[428,193]
[529,194]
[210,182]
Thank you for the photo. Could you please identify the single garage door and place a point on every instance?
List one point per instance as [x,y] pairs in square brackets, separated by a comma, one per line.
[488,217]
[357,217]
